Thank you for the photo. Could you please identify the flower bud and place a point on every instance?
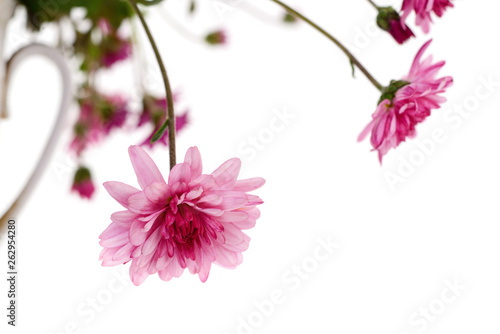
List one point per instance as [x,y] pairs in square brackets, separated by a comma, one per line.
[389,20]
[216,38]
[82,183]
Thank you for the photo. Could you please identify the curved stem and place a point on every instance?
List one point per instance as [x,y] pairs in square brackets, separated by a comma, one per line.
[58,59]
[170,122]
[335,41]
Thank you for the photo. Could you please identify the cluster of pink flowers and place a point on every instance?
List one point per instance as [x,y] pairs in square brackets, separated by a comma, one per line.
[191,221]
[99,114]
[406,103]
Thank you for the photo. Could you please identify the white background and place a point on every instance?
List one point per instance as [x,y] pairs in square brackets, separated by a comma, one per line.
[398,246]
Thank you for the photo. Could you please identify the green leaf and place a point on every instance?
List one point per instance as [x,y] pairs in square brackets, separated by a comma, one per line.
[149,2]
[161,131]
[353,68]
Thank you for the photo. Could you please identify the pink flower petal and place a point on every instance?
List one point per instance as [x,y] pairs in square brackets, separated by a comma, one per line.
[249,184]
[124,218]
[120,191]
[138,276]
[181,173]
[124,254]
[227,258]
[114,236]
[136,235]
[193,159]
[146,170]
[152,242]
[157,192]
[225,176]
[140,204]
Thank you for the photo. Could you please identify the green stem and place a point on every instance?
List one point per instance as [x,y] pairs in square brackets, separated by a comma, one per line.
[335,41]
[170,122]
[374,4]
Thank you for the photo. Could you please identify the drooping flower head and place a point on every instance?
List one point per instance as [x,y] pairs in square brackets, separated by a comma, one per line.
[155,112]
[189,221]
[99,115]
[86,130]
[82,183]
[389,20]
[406,103]
[423,10]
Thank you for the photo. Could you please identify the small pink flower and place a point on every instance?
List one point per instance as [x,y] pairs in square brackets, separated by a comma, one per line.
[406,103]
[114,48]
[87,130]
[190,221]
[423,10]
[113,111]
[99,115]
[82,183]
[155,112]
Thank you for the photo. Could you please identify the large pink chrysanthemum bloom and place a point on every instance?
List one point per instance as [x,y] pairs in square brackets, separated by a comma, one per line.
[191,221]
[406,103]
[423,10]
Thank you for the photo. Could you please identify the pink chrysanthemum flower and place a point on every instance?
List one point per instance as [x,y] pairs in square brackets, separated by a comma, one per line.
[191,221]
[406,103]
[423,10]
[155,112]
[82,183]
